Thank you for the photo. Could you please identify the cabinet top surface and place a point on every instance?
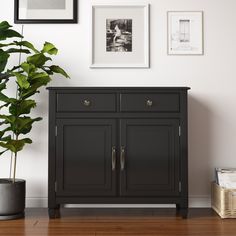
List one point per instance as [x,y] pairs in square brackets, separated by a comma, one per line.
[118,88]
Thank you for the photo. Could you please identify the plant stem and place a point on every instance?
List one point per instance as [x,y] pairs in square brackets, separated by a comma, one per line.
[11,159]
[15,159]
[11,165]
[14,171]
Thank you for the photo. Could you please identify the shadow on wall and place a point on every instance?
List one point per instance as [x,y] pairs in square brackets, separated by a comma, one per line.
[200,147]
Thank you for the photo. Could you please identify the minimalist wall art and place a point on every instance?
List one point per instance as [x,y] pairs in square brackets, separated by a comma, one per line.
[120,36]
[46,11]
[185,33]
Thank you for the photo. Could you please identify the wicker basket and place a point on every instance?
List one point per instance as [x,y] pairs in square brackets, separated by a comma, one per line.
[223,201]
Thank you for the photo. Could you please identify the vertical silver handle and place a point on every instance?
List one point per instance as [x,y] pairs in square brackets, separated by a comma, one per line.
[113,158]
[122,158]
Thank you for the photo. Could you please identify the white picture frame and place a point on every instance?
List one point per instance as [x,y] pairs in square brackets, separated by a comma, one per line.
[130,49]
[185,33]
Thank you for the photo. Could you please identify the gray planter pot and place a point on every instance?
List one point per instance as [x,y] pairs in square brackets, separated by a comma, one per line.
[12,199]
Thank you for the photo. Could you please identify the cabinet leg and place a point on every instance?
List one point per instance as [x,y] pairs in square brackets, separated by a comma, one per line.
[177,209]
[183,212]
[54,212]
[180,211]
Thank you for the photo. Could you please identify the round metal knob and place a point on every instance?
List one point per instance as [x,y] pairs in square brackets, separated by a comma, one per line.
[149,103]
[87,103]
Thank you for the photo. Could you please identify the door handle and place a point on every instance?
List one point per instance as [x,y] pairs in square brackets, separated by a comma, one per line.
[122,158]
[113,158]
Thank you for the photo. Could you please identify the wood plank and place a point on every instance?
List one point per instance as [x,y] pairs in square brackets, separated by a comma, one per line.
[117,222]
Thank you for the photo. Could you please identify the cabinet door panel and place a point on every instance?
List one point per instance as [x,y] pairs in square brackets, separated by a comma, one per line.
[84,148]
[151,156]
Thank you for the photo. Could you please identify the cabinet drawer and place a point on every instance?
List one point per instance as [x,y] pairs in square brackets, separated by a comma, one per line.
[86,102]
[166,102]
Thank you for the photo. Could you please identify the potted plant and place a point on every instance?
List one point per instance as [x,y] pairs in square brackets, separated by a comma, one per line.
[15,120]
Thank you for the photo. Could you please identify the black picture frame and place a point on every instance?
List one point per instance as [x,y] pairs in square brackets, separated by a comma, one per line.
[74,20]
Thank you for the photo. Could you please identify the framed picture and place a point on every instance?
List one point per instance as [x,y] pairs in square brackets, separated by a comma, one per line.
[120,36]
[185,33]
[46,11]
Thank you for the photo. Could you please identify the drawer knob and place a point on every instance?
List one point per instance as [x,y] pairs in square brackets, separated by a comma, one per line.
[87,103]
[149,103]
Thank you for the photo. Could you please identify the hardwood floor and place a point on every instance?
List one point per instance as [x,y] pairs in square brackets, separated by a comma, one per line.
[117,222]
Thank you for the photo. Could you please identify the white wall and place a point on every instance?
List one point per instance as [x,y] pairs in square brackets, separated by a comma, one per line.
[212,77]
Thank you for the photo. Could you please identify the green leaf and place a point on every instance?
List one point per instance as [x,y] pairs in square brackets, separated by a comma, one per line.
[48,71]
[28,68]
[38,59]
[6,99]
[3,60]
[2,86]
[3,98]
[19,125]
[4,25]
[8,119]
[23,107]
[4,34]
[22,80]
[23,125]
[40,77]
[58,69]
[4,131]
[16,50]
[15,145]
[27,140]
[6,44]
[30,92]
[49,48]
[27,44]
[37,80]
[7,138]
[9,146]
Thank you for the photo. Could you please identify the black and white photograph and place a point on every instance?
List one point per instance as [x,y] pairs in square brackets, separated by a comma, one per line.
[119,35]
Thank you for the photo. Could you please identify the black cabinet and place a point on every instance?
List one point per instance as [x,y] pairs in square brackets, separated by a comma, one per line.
[118,145]
[84,157]
[150,158]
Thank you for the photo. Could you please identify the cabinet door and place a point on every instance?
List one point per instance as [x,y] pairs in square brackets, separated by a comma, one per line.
[84,157]
[149,157]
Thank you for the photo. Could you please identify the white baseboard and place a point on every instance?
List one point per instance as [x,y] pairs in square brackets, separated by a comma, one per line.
[36,202]
[194,202]
[200,201]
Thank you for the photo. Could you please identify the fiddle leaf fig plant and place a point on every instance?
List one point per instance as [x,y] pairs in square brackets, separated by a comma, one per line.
[30,75]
